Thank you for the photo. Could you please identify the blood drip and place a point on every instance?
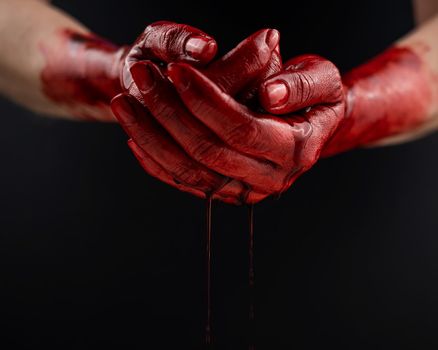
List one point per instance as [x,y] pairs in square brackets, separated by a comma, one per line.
[251,278]
[208,336]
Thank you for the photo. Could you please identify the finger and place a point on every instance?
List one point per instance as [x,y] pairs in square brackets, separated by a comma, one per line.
[147,134]
[198,141]
[230,193]
[156,170]
[169,42]
[245,62]
[249,133]
[248,96]
[306,81]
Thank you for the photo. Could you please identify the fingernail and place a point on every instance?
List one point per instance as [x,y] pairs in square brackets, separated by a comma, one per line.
[272,38]
[201,48]
[143,76]
[179,76]
[277,93]
[123,109]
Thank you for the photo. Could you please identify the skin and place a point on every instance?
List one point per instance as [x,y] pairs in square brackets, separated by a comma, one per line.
[150,118]
[59,68]
[311,111]
[199,126]
[86,72]
[22,61]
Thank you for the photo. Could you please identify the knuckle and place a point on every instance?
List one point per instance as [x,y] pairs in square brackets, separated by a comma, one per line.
[145,139]
[199,107]
[174,38]
[162,112]
[186,175]
[332,75]
[301,85]
[272,183]
[328,65]
[244,135]
[254,60]
[279,184]
[163,38]
[206,152]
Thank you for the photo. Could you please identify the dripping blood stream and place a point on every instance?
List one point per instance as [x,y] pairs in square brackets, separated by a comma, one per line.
[251,277]
[208,268]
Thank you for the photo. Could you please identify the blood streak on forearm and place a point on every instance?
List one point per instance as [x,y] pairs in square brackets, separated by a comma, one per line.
[82,74]
[389,95]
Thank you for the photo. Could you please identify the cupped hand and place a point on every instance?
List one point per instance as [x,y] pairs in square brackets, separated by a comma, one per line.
[202,139]
[177,146]
[264,152]
[83,72]
[166,42]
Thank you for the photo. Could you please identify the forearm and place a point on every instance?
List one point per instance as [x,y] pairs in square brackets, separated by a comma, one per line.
[424,43]
[393,97]
[48,69]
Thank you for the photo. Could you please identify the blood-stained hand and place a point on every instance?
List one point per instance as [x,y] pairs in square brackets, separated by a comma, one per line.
[209,138]
[84,72]
[176,145]
[389,95]
[261,151]
[204,141]
[167,42]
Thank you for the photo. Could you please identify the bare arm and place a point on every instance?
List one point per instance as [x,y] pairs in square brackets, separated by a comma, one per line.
[52,64]
[24,25]
[390,99]
[423,41]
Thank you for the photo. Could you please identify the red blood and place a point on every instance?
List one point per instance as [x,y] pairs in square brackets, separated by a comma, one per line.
[191,143]
[389,95]
[82,74]
[83,71]
[221,146]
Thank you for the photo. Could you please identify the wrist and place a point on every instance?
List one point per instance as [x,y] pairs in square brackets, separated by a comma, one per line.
[389,95]
[82,74]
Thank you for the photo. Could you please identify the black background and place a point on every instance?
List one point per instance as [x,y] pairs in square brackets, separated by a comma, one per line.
[94,253]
